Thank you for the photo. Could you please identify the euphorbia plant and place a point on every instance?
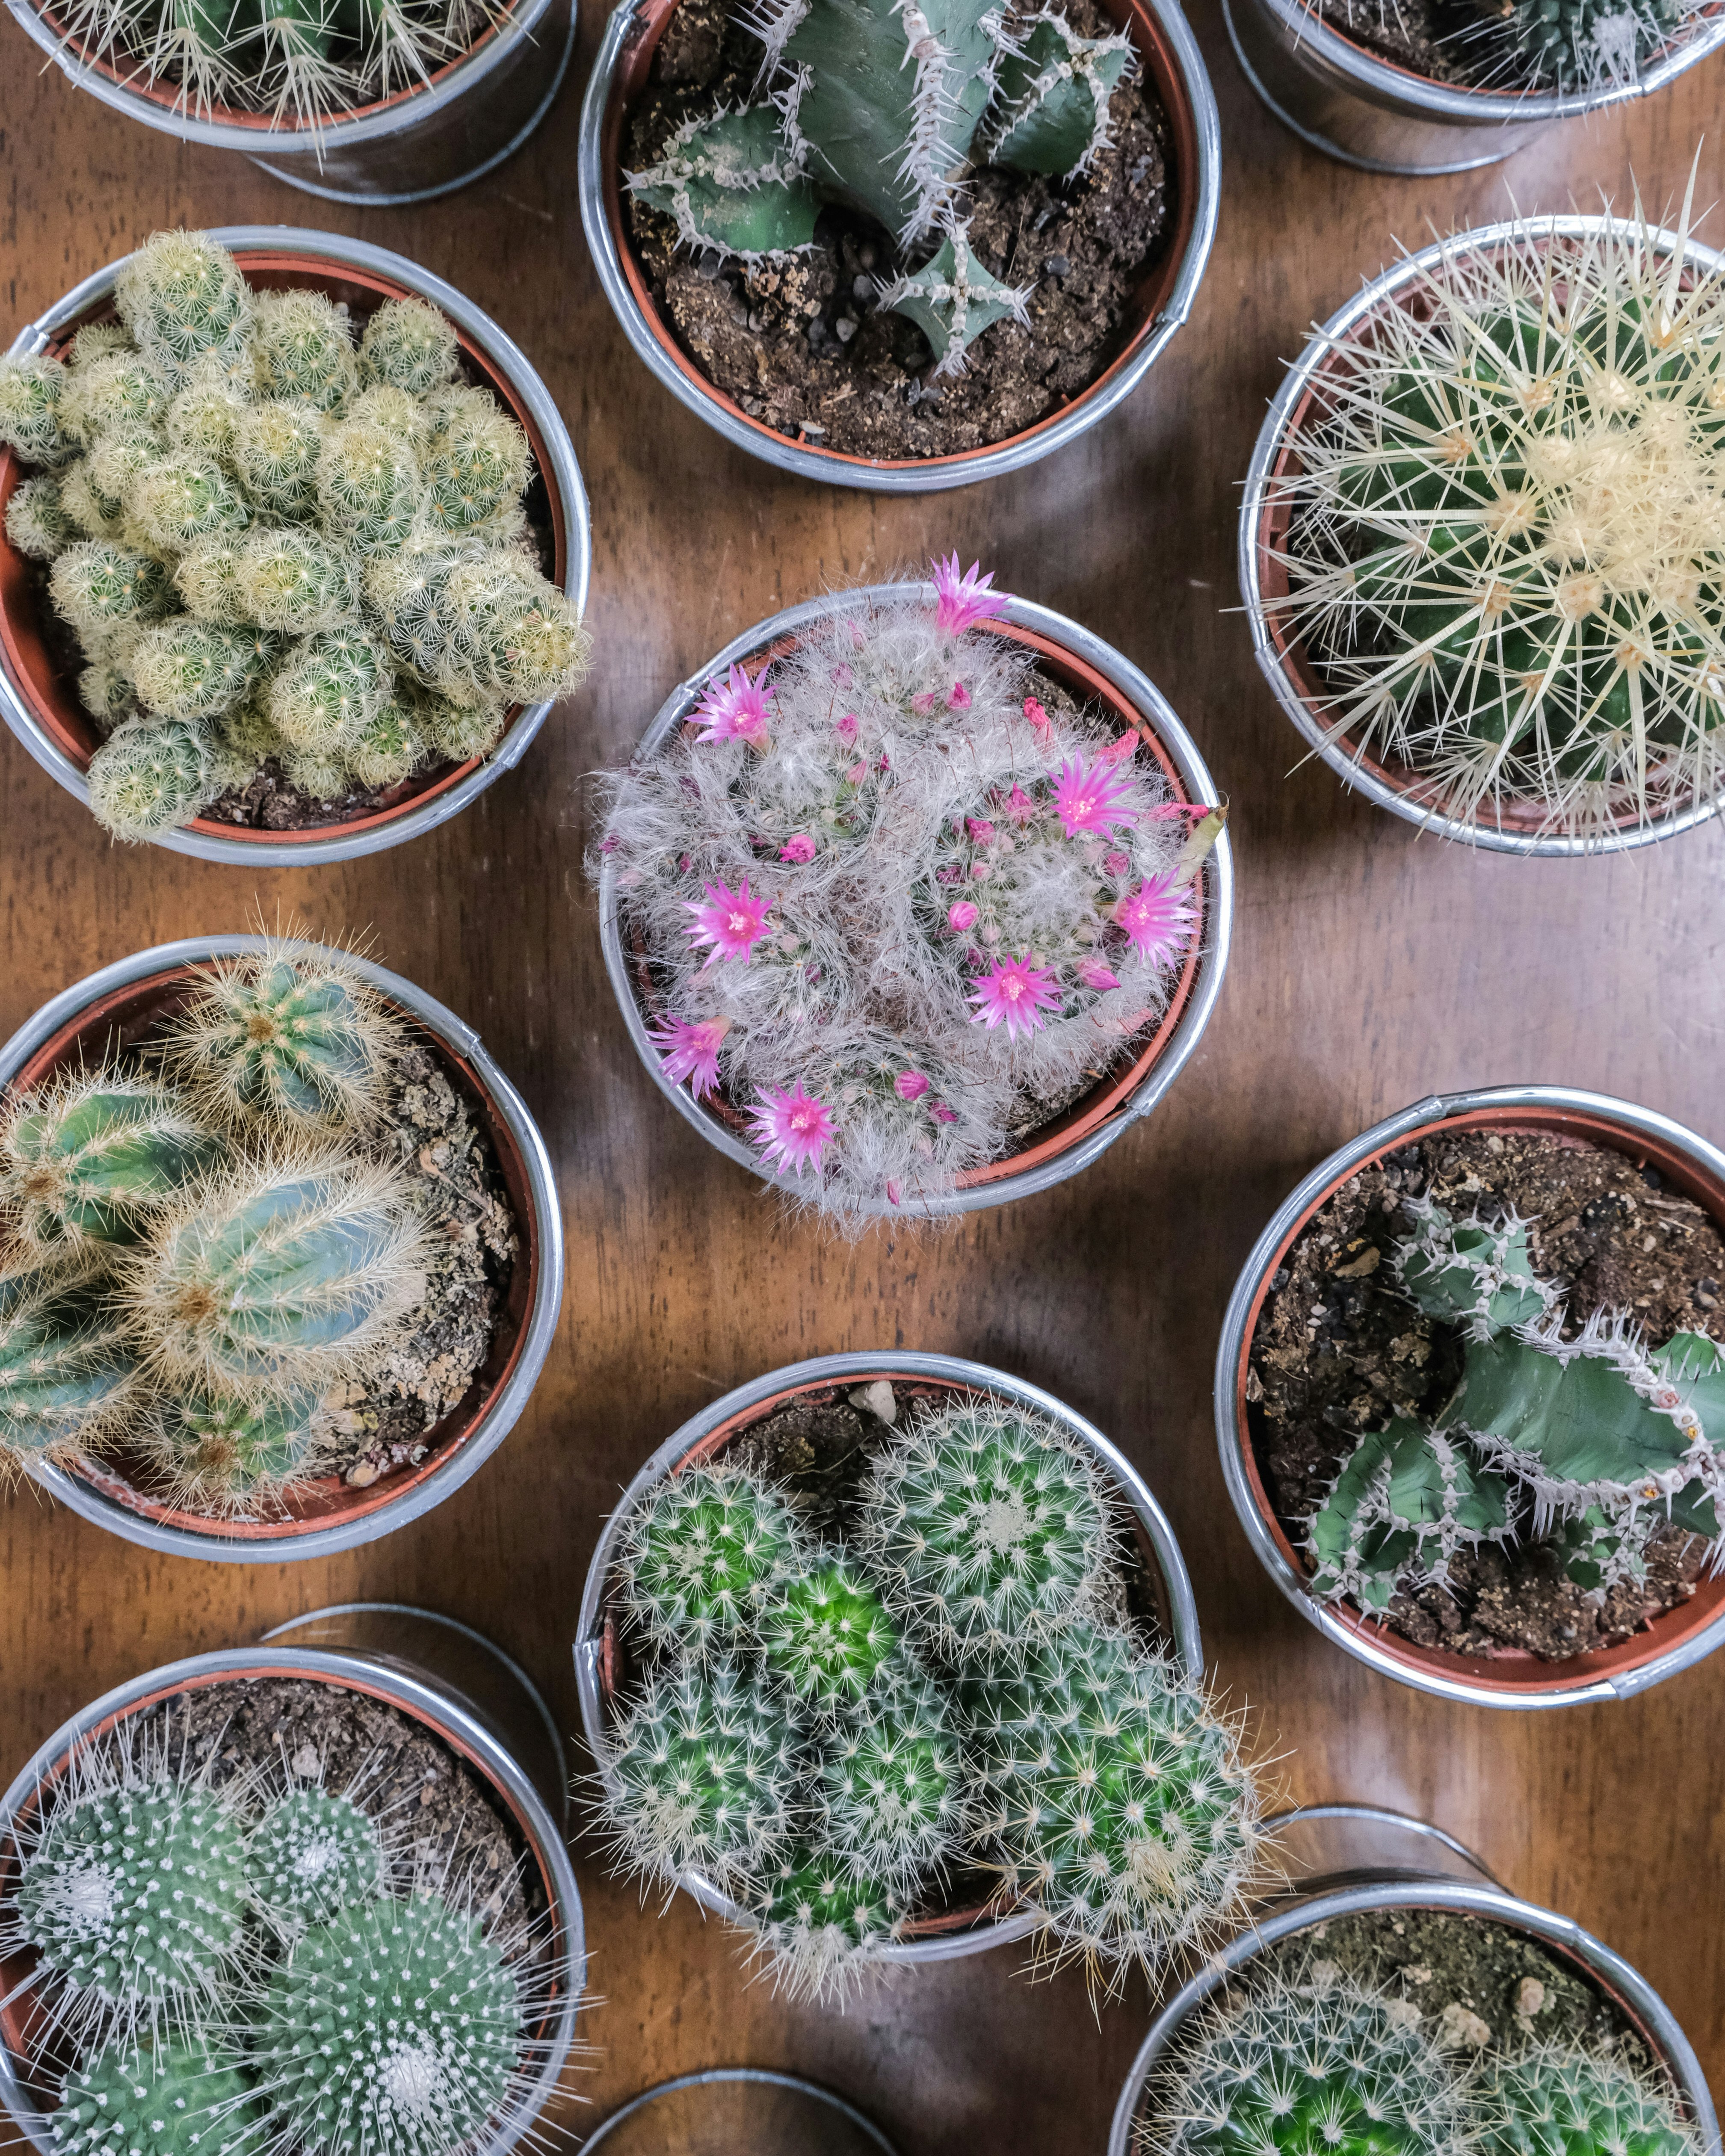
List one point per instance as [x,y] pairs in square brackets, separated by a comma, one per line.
[897,909]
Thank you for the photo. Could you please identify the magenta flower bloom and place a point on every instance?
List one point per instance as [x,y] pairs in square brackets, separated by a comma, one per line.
[910,1085]
[1088,799]
[791,1128]
[1094,974]
[799,850]
[957,697]
[857,773]
[1014,993]
[1116,864]
[846,727]
[733,922]
[980,830]
[963,600]
[1019,806]
[892,1193]
[960,915]
[691,1051]
[1158,919]
[734,709]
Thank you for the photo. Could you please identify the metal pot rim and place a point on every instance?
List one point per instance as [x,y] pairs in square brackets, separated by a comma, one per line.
[1233,1443]
[931,475]
[1260,486]
[822,1370]
[1493,1903]
[538,1330]
[562,476]
[412,1695]
[1218,872]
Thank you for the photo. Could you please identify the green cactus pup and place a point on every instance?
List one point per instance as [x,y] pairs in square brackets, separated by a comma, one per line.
[827,1636]
[703,1552]
[819,1922]
[890,1788]
[153,775]
[173,2097]
[221,1455]
[311,1856]
[1552,2100]
[93,1158]
[68,1376]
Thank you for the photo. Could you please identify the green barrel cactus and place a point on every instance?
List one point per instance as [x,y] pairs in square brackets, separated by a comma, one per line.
[153,775]
[819,1920]
[221,1453]
[890,1789]
[278,455]
[827,1636]
[176,2097]
[311,1856]
[67,1375]
[702,1553]
[93,1158]
[328,689]
[1555,2100]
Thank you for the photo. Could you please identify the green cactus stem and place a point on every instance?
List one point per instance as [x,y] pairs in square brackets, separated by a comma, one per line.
[410,347]
[312,1856]
[101,589]
[1473,1273]
[303,348]
[331,686]
[68,1376]
[192,669]
[172,2098]
[1406,1502]
[153,775]
[827,1636]
[219,1455]
[292,581]
[369,487]
[820,1922]
[278,448]
[93,1159]
[1052,110]
[31,421]
[952,298]
[37,522]
[890,1788]
[702,1553]
[1553,2100]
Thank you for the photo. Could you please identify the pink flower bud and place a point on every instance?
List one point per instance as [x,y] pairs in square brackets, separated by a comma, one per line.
[685,862]
[1123,748]
[942,1114]
[960,915]
[857,773]
[846,727]
[857,639]
[1019,806]
[980,832]
[1038,717]
[892,1193]
[910,1085]
[1094,974]
[799,849]
[843,676]
[957,697]
[1118,865]
[610,845]
[923,704]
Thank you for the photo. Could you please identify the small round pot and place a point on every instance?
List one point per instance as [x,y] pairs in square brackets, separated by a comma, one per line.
[415,1683]
[1174,68]
[117,1006]
[40,703]
[1082,1133]
[472,114]
[1399,1863]
[1354,106]
[1270,491]
[735,2107]
[704,1438]
[1512,1677]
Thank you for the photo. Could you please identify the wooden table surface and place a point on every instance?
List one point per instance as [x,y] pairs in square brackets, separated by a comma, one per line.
[1370,968]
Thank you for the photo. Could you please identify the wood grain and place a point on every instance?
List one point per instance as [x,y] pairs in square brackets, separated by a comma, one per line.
[1371,966]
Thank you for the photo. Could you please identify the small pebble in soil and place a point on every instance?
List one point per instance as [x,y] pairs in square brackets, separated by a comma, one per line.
[1058,266]
[862,288]
[845,329]
[1530,1998]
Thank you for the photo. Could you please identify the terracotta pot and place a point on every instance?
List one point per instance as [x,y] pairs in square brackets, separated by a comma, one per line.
[114,1008]
[408,1670]
[38,699]
[601,1660]
[1270,492]
[1173,67]
[1093,671]
[1512,1676]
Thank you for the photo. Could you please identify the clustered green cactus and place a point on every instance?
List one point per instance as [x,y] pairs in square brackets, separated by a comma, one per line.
[1588,1440]
[826,1732]
[1279,2066]
[272,541]
[195,1248]
[881,106]
[1579,48]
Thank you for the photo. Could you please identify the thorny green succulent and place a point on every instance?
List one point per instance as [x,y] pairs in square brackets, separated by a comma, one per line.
[68,1374]
[173,2097]
[1579,48]
[819,1920]
[221,1453]
[94,1158]
[311,1856]
[827,1636]
[1553,2100]
[227,475]
[891,1789]
[703,1551]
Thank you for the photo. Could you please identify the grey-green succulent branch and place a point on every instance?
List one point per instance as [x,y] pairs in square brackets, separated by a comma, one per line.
[1588,1438]
[883,105]
[276,540]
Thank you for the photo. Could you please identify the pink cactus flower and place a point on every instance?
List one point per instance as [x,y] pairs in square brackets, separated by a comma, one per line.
[1088,799]
[857,639]
[1158,919]
[1095,975]
[1117,864]
[980,871]
[857,773]
[610,845]
[732,921]
[942,1114]
[960,915]
[798,850]
[910,1085]
[684,863]
[981,832]
[734,709]
[922,705]
[791,1128]
[1020,807]
[1038,717]
[691,1047]
[963,600]
[951,873]
[1014,993]
[957,697]
[842,677]
[846,727]
[1121,749]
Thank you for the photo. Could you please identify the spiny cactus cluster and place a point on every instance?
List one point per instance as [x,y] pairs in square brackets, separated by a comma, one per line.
[236,1969]
[1586,1440]
[897,910]
[881,107]
[1275,2065]
[274,539]
[870,1729]
[1579,48]
[1502,550]
[203,1243]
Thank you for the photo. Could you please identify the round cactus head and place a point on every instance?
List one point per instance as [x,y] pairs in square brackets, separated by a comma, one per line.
[702,1552]
[331,686]
[987,1526]
[388,747]
[890,1787]
[1551,2100]
[170,2098]
[312,1856]
[407,345]
[102,589]
[93,1158]
[369,487]
[152,775]
[30,416]
[67,1375]
[303,348]
[395,2026]
[37,522]
[278,447]
[219,1455]
[186,304]
[827,1635]
[819,1920]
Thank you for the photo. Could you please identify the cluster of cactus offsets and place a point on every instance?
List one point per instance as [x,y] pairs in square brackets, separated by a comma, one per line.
[1588,1441]
[194,1250]
[227,1971]
[881,106]
[1503,550]
[274,539]
[879,1736]
[897,909]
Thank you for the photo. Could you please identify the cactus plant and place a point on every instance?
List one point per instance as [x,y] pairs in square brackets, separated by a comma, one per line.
[311,1856]
[93,1158]
[67,1378]
[227,476]
[1581,48]
[890,1788]
[819,1920]
[702,1552]
[1501,545]
[174,2097]
[1553,2100]
[987,1526]
[220,1455]
[827,1636]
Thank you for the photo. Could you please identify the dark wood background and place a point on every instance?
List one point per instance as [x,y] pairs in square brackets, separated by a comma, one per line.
[1371,966]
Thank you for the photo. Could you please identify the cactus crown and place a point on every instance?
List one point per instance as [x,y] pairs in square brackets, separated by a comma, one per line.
[174,2096]
[1582,48]
[703,1552]
[226,474]
[1552,2100]
[1503,529]
[827,1636]
[890,1788]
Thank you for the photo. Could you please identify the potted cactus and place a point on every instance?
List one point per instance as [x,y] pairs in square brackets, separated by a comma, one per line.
[891,1660]
[1475,543]
[273,555]
[1470,1396]
[812,223]
[919,904]
[383,1943]
[281,1257]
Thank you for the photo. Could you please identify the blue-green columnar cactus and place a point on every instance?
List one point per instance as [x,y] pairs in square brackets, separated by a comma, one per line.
[819,1920]
[1550,2100]
[311,1856]
[827,1635]
[1294,2069]
[397,2026]
[890,1788]
[702,1552]
[68,1374]
[986,1527]
[221,1453]
[178,2097]
[881,106]
[93,1159]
